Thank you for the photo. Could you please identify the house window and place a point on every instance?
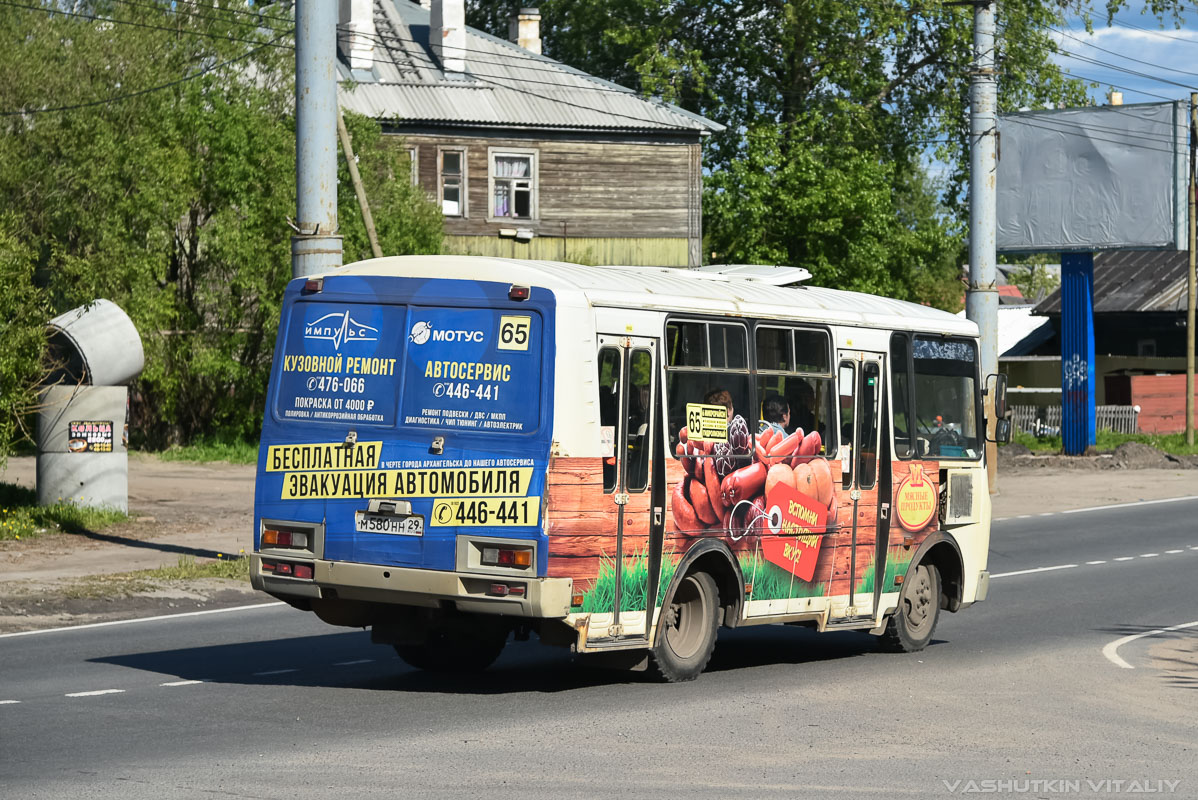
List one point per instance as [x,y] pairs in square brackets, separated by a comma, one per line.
[452,178]
[414,163]
[513,179]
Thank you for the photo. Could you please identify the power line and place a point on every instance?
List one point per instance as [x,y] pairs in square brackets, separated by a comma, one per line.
[118,98]
[1120,55]
[1116,86]
[131,23]
[183,7]
[1136,73]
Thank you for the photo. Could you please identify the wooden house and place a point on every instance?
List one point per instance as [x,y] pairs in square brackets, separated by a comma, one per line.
[526,156]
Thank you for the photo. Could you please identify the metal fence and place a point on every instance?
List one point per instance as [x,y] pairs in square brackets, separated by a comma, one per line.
[1046,420]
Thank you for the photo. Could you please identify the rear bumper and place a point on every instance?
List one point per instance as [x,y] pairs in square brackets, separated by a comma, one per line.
[544,598]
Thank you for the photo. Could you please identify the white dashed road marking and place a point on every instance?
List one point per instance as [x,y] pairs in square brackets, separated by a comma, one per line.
[1030,571]
[352,663]
[1092,563]
[1149,555]
[1126,558]
[180,683]
[274,672]
[1111,651]
[142,619]
[95,693]
[9,702]
[1174,552]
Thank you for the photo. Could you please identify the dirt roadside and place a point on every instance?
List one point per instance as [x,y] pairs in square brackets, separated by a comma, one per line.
[206,510]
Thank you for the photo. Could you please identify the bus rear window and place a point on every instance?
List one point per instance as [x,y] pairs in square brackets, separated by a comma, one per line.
[476,369]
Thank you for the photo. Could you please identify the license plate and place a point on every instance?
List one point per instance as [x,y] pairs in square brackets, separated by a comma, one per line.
[365,522]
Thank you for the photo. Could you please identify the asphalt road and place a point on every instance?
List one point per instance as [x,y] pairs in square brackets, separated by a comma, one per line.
[271,703]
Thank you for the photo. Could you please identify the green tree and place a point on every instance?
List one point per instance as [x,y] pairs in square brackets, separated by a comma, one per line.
[147,155]
[832,110]
[403,218]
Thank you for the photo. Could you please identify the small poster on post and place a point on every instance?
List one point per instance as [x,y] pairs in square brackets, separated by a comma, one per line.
[90,436]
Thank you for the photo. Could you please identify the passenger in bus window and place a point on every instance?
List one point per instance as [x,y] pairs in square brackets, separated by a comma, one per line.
[775,414]
[719,397]
[805,406]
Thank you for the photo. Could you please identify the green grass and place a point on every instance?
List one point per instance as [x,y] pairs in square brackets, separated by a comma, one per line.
[22,518]
[234,451]
[123,584]
[893,567]
[600,598]
[771,582]
[1174,443]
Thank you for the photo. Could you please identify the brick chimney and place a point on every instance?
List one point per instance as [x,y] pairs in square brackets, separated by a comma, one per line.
[447,33]
[524,28]
[356,33]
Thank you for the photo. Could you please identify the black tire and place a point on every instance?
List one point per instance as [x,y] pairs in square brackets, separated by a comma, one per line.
[914,623]
[686,636]
[456,650]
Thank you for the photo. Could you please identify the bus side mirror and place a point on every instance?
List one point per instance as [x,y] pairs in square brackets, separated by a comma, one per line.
[996,388]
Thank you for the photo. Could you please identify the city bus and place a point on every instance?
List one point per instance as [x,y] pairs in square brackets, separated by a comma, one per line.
[457,451]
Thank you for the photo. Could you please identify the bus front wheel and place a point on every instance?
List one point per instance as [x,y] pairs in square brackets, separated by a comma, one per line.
[688,629]
[911,627]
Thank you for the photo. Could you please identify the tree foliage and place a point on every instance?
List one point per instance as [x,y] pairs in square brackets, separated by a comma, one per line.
[832,112]
[147,153]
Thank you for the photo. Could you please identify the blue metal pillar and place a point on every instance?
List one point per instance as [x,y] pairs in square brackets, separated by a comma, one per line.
[1077,352]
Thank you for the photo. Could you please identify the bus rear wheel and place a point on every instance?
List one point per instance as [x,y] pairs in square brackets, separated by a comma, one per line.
[912,626]
[456,649]
[688,629]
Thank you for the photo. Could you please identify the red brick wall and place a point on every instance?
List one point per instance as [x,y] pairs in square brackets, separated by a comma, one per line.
[1162,402]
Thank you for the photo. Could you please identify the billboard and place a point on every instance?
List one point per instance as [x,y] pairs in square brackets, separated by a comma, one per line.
[1089,179]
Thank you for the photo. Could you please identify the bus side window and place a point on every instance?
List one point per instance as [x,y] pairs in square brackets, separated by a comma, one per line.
[848,384]
[609,410]
[867,416]
[640,408]
[900,392]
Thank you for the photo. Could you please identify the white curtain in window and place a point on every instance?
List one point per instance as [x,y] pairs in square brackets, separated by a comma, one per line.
[513,166]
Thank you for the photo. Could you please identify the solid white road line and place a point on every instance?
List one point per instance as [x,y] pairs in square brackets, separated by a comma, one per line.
[274,672]
[1111,651]
[1030,571]
[95,693]
[352,663]
[144,619]
[1103,508]
[180,683]
[1134,503]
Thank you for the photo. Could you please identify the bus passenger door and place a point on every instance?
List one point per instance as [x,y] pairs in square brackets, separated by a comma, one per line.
[636,475]
[860,561]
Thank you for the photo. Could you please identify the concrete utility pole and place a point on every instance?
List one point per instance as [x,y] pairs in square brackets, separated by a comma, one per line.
[981,300]
[1192,293]
[315,248]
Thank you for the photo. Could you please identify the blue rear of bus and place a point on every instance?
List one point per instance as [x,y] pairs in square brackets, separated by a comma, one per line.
[431,398]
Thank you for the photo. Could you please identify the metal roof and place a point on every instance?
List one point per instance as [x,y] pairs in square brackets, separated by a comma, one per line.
[666,289]
[1133,280]
[504,85]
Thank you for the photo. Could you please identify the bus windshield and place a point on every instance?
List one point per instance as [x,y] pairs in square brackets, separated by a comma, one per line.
[946,396]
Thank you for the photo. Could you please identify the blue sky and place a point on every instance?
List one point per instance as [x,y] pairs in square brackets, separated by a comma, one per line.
[1137,36]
